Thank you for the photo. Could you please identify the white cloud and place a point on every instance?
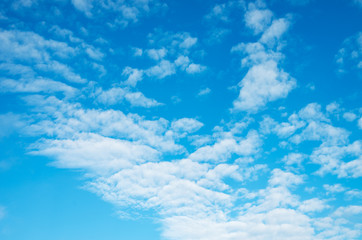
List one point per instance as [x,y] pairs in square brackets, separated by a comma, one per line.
[169,185]
[180,43]
[199,140]
[351,169]
[95,153]
[336,188]
[139,100]
[313,205]
[84,6]
[31,47]
[332,107]
[133,75]
[218,12]
[17,70]
[354,193]
[125,12]
[312,112]
[360,123]
[34,64]
[163,69]
[331,159]
[35,86]
[66,120]
[294,159]
[117,95]
[64,33]
[124,153]
[224,148]
[188,42]
[216,35]
[249,226]
[138,162]
[195,68]
[137,52]
[263,83]
[182,62]
[275,31]
[348,211]
[171,52]
[156,54]
[282,178]
[349,116]
[319,131]
[186,125]
[204,91]
[24,3]
[257,19]
[349,57]
[190,211]
[284,129]
[111,96]
[61,70]
[94,53]
[222,13]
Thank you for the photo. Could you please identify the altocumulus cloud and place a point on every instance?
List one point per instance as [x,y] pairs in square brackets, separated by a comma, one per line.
[96,97]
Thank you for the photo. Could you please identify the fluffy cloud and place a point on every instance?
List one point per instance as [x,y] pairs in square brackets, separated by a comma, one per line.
[195,68]
[186,125]
[233,183]
[336,188]
[163,69]
[257,19]
[265,81]
[156,54]
[313,205]
[274,32]
[122,158]
[349,57]
[204,92]
[176,189]
[349,116]
[224,148]
[294,159]
[331,160]
[133,76]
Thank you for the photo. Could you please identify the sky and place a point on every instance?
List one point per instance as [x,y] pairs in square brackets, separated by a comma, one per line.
[180,120]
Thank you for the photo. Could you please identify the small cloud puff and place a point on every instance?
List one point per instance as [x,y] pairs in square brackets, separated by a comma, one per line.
[204,92]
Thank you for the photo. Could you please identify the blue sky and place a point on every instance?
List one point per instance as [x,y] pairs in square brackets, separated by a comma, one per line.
[150,119]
